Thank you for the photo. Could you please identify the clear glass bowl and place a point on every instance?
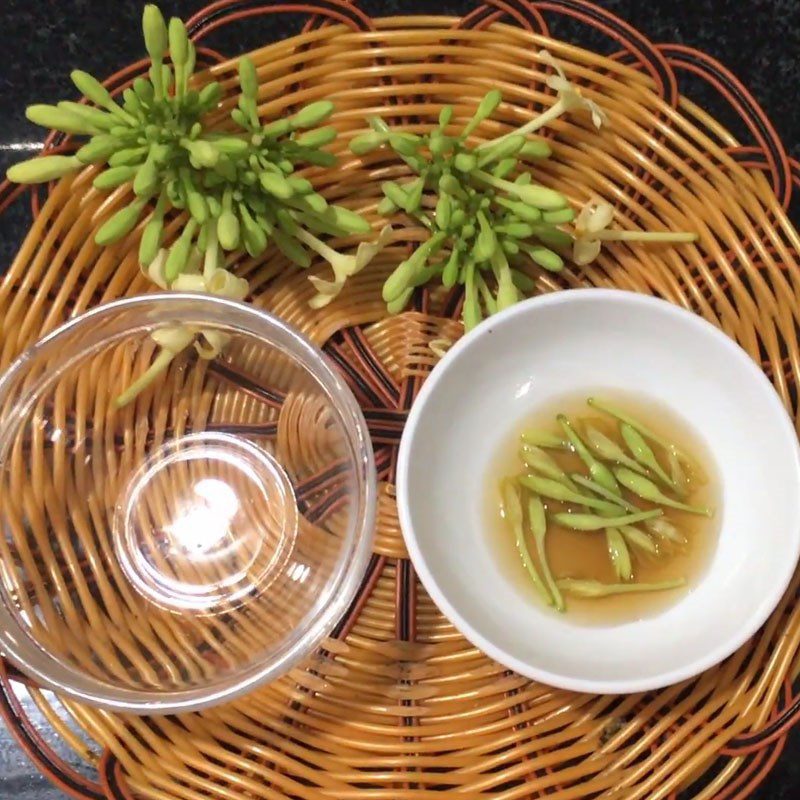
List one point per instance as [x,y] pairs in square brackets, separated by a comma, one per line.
[180,550]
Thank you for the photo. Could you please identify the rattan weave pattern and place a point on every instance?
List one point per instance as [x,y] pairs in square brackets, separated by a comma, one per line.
[397,705]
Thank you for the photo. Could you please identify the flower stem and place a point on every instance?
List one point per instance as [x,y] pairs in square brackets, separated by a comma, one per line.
[644,236]
[319,247]
[545,118]
[162,361]
[494,182]
[424,220]
[211,257]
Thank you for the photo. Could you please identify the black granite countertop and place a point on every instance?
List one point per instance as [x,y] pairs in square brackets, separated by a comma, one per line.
[41,40]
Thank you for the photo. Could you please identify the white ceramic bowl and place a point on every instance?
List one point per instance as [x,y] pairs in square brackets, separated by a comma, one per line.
[562,343]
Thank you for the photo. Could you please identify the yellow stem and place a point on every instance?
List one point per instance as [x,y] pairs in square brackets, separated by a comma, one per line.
[162,361]
[644,236]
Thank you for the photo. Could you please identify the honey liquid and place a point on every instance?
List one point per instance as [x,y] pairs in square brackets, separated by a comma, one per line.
[584,554]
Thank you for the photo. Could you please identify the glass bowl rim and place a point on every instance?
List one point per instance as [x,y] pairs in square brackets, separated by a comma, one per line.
[242,318]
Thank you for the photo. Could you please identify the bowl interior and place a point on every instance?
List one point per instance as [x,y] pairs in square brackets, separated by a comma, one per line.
[175,551]
[562,344]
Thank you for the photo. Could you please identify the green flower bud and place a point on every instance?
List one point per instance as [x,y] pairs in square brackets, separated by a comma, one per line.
[161,153]
[201,153]
[312,115]
[240,118]
[120,224]
[450,184]
[198,207]
[286,221]
[536,148]
[553,237]
[128,157]
[42,169]
[151,240]
[485,109]
[167,77]
[522,281]
[178,256]
[414,195]
[440,145]
[400,302]
[113,177]
[202,238]
[465,162]
[214,206]
[560,217]
[542,197]
[131,102]
[395,193]
[519,230]
[399,281]
[292,249]
[254,236]
[316,202]
[458,218]
[178,42]
[518,209]
[155,32]
[98,148]
[209,96]
[248,78]
[451,269]
[59,119]
[486,244]
[92,88]
[230,145]
[317,138]
[276,185]
[191,60]
[146,181]
[444,207]
[386,206]
[545,258]
[100,119]
[367,142]
[320,158]
[346,220]
[300,186]
[280,127]
[471,313]
[174,193]
[509,146]
[228,230]
[405,145]
[250,108]
[143,89]
[504,168]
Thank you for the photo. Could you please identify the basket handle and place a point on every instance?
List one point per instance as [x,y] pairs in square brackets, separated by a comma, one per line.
[530,14]
[634,43]
[46,760]
[225,12]
[746,107]
[525,14]
[112,778]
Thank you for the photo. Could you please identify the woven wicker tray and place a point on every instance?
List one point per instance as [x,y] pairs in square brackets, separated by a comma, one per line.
[398,705]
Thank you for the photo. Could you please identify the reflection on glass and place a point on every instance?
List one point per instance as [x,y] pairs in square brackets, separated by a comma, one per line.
[207,521]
